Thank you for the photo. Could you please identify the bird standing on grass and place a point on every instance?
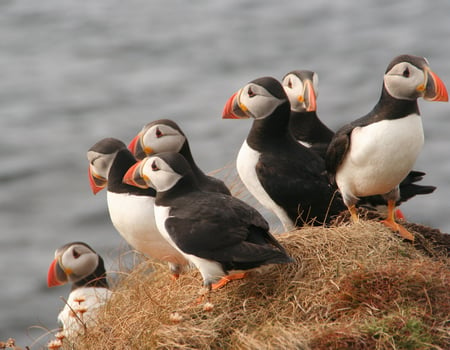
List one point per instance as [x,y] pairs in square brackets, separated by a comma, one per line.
[131,209]
[301,87]
[78,263]
[221,235]
[373,154]
[283,175]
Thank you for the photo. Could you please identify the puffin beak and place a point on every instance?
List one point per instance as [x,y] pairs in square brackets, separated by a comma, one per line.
[137,148]
[96,181]
[134,178]
[435,89]
[310,96]
[233,109]
[56,275]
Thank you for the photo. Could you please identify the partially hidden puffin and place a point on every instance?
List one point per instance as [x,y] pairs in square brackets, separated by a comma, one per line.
[283,175]
[373,154]
[221,235]
[164,135]
[79,264]
[131,209]
[302,89]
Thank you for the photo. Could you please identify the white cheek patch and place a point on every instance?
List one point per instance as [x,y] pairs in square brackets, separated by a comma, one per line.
[404,88]
[170,141]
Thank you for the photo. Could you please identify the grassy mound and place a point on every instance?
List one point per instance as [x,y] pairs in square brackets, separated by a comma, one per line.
[351,287]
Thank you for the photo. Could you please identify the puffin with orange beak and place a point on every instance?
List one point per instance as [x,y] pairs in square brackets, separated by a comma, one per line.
[301,87]
[78,263]
[373,154]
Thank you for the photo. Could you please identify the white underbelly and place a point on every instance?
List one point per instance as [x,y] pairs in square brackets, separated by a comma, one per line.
[245,164]
[134,218]
[376,164]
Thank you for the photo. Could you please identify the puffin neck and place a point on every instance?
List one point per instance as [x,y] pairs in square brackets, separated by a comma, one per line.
[272,128]
[389,107]
[96,279]
[122,162]
[185,151]
[185,185]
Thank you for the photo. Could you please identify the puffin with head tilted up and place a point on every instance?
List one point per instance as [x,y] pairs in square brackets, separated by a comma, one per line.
[302,88]
[164,135]
[283,175]
[131,209]
[78,263]
[220,234]
[373,154]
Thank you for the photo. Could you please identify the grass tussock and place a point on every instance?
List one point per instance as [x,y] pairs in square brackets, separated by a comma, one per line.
[351,287]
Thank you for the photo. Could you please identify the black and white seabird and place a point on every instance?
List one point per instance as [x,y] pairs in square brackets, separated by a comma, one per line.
[131,209]
[283,175]
[79,264]
[373,154]
[164,135]
[302,89]
[218,233]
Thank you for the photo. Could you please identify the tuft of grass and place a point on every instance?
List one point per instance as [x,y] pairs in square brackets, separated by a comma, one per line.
[352,286]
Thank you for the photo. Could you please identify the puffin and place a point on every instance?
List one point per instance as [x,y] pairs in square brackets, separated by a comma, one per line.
[79,264]
[374,153]
[131,209]
[164,135]
[221,235]
[283,175]
[302,89]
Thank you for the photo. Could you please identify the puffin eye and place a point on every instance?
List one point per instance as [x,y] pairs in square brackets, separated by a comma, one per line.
[75,254]
[290,84]
[406,72]
[250,92]
[158,133]
[154,166]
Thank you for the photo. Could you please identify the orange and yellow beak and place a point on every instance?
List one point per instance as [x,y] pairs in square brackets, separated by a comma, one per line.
[56,275]
[96,181]
[435,89]
[137,148]
[233,109]
[309,96]
[134,176]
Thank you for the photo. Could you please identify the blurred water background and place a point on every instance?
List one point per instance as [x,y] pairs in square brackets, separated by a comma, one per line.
[72,72]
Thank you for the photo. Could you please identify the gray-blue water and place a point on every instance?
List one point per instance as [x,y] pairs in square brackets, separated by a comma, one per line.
[72,72]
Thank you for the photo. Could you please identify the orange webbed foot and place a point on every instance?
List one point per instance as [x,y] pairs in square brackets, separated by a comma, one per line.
[399,228]
[224,280]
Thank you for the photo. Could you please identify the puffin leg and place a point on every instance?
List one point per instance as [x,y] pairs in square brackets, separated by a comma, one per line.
[390,222]
[224,280]
[353,213]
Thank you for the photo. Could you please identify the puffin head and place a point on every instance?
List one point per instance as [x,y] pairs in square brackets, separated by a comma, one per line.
[101,156]
[409,77]
[302,89]
[162,135]
[73,262]
[162,171]
[258,99]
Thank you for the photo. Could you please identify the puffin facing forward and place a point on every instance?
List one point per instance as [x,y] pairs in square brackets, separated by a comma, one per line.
[283,175]
[131,209]
[218,233]
[78,263]
[373,154]
[301,87]
[164,135]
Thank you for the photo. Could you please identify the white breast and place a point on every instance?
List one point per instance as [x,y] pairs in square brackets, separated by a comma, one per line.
[134,218]
[211,271]
[246,168]
[380,156]
[81,309]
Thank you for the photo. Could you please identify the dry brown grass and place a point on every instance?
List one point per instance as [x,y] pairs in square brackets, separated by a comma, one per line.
[351,287]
